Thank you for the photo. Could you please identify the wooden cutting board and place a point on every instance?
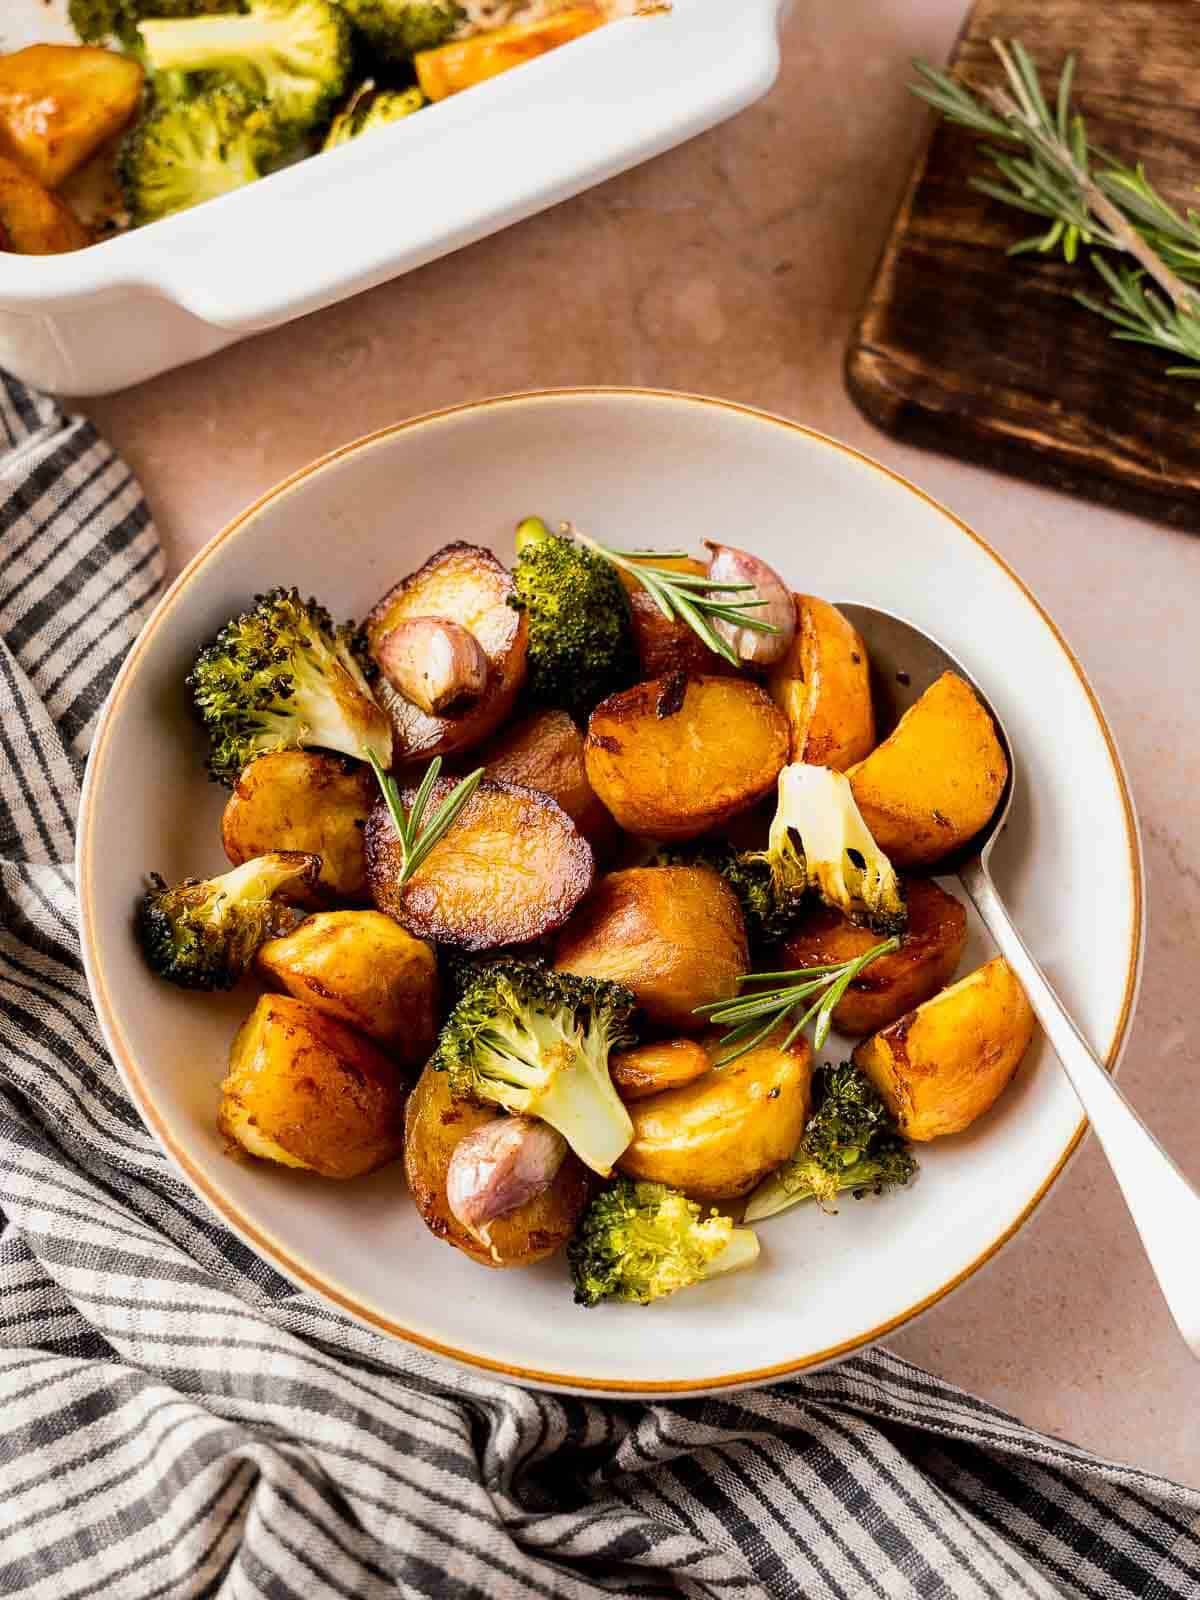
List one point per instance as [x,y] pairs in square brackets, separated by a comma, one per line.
[965,350]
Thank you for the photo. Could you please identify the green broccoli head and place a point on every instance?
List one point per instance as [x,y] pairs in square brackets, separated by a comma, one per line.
[580,636]
[641,1241]
[537,1043]
[370,108]
[96,21]
[185,151]
[282,677]
[398,29]
[768,915]
[850,1143]
[204,932]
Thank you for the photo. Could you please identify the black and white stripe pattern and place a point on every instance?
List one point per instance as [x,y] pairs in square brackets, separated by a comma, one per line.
[179,1422]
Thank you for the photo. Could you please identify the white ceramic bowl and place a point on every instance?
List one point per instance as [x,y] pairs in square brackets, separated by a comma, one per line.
[640,469]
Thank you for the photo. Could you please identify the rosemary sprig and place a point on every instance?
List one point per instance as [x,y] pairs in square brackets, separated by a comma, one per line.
[828,983]
[684,596]
[418,837]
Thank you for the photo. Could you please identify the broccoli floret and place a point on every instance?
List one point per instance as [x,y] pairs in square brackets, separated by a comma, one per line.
[203,933]
[850,1142]
[768,916]
[95,21]
[370,108]
[293,54]
[282,677]
[185,151]
[641,1241]
[397,29]
[819,841]
[580,636]
[537,1042]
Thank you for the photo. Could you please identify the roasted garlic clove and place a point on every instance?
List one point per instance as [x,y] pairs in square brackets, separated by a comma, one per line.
[435,663]
[499,1167]
[755,647]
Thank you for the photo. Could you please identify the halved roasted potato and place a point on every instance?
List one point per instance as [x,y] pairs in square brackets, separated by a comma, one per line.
[946,1063]
[464,62]
[60,102]
[34,222]
[664,644]
[649,1069]
[674,935]
[365,969]
[298,800]
[823,687]
[463,583]
[717,1137]
[936,779]
[545,751]
[305,1090]
[512,868]
[930,949]
[433,1124]
[677,756]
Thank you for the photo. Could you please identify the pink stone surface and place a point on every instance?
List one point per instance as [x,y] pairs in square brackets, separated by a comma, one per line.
[735,266]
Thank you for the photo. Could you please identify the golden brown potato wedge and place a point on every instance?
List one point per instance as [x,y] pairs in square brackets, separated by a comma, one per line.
[935,780]
[307,1091]
[674,935]
[930,949]
[433,1125]
[512,868]
[946,1063]
[663,644]
[363,968]
[462,63]
[545,751]
[823,688]
[464,583]
[719,1136]
[60,102]
[34,222]
[677,756]
[297,800]
[650,1069]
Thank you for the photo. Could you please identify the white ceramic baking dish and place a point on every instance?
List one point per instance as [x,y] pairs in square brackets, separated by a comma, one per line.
[143,302]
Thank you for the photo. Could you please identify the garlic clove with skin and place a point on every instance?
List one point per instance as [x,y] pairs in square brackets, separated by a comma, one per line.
[435,663]
[499,1167]
[753,646]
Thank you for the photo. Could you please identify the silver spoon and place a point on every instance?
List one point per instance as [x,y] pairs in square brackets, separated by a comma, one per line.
[1165,1207]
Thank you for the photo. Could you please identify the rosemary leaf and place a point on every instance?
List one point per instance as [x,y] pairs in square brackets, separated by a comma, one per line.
[417,837]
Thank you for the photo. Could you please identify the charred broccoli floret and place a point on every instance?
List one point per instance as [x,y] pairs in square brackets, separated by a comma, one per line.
[537,1042]
[397,29]
[185,151]
[204,932]
[282,677]
[768,916]
[819,841]
[96,21]
[641,1241]
[850,1142]
[580,636]
[370,108]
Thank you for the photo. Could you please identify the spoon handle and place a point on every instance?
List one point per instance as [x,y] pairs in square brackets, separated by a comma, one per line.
[1165,1207]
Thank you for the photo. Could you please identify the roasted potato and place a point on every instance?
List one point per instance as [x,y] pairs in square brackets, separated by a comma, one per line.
[823,688]
[936,779]
[718,1137]
[34,222]
[464,62]
[433,1125]
[674,935]
[307,1091]
[363,968]
[512,868]
[677,756]
[60,102]
[665,645]
[650,1069]
[545,751]
[930,949]
[297,800]
[944,1064]
[463,583]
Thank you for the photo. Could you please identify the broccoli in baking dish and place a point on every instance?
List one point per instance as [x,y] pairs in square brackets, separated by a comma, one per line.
[398,29]
[185,151]
[369,109]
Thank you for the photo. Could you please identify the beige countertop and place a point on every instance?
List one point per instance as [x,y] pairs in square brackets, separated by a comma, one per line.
[735,266]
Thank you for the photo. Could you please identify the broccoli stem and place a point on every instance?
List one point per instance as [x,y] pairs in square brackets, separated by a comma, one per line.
[586,1110]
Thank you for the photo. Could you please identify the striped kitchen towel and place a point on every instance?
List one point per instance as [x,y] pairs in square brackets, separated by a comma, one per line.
[177,1420]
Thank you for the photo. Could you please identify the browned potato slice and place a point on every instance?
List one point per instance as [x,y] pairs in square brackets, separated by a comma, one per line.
[513,867]
[463,583]
[307,1091]
[823,687]
[433,1125]
[365,969]
[944,1064]
[650,1069]
[296,800]
[930,949]
[545,751]
[34,222]
[719,1136]
[675,757]
[674,935]
[663,644]
[935,780]
[60,102]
